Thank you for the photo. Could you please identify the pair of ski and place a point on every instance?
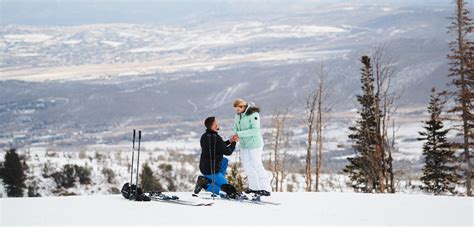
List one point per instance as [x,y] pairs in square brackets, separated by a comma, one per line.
[254,199]
[160,197]
[153,196]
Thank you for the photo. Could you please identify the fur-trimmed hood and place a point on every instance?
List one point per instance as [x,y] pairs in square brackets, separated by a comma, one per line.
[251,108]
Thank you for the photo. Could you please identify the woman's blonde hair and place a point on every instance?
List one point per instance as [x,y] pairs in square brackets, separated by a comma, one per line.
[240,102]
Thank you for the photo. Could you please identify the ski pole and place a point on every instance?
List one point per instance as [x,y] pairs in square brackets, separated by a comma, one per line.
[133,154]
[138,162]
[211,163]
[214,162]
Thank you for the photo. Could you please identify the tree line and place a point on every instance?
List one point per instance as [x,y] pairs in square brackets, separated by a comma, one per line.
[447,163]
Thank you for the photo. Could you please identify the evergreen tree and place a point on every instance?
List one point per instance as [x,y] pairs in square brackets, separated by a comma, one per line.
[12,172]
[364,169]
[235,178]
[439,172]
[166,172]
[148,181]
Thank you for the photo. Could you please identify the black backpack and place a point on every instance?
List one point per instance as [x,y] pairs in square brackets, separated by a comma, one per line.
[131,192]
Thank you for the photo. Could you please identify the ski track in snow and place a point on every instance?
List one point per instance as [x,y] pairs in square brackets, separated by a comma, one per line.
[195,108]
[222,97]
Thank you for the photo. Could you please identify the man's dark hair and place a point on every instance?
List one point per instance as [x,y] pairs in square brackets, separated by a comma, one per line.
[208,122]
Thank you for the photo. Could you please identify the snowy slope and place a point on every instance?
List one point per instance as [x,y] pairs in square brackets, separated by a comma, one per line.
[296,209]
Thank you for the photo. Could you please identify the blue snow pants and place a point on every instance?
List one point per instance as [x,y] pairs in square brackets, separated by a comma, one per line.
[218,178]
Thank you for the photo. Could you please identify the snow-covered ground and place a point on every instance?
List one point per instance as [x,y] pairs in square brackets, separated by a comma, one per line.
[182,153]
[297,209]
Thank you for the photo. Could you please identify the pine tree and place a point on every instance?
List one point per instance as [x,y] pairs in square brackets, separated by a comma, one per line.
[364,169]
[12,172]
[148,180]
[235,178]
[440,171]
[462,71]
[166,172]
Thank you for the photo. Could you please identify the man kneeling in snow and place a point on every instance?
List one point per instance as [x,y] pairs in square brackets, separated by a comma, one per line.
[212,164]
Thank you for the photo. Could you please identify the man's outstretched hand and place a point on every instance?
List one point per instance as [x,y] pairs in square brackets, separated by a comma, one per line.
[234,139]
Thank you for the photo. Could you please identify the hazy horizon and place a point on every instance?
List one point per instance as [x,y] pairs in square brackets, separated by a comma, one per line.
[79,12]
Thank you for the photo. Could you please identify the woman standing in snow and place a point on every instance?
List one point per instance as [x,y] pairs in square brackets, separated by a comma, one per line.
[247,128]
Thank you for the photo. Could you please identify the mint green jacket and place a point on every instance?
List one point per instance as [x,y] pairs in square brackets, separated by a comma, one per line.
[247,127]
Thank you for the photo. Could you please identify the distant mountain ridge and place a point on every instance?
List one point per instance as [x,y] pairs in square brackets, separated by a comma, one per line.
[107,74]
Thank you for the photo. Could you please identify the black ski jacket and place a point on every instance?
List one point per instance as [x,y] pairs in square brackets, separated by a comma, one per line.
[213,150]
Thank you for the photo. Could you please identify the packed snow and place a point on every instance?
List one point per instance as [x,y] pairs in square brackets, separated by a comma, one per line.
[347,209]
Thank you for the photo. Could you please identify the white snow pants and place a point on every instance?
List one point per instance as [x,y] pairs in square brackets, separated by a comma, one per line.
[253,167]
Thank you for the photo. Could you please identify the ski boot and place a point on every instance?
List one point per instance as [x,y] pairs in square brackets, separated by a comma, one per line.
[201,182]
[232,193]
[132,192]
[258,192]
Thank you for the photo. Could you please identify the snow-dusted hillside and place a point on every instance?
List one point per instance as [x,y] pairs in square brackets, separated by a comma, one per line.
[297,209]
[109,165]
[308,32]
